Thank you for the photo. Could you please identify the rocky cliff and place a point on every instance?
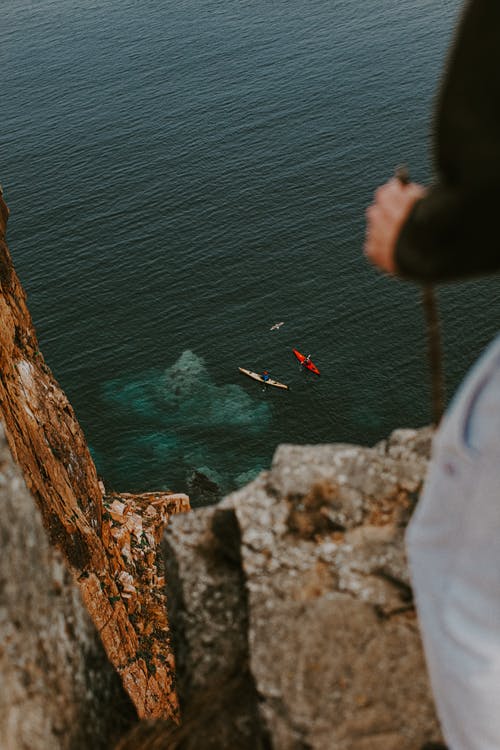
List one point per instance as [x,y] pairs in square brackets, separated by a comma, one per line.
[290,608]
[109,543]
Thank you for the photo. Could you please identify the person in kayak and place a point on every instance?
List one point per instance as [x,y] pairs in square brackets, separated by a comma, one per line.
[265,375]
[307,360]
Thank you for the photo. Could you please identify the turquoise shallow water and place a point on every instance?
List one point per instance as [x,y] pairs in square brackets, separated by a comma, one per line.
[180,177]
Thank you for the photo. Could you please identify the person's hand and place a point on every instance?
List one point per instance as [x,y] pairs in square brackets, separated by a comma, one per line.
[384,219]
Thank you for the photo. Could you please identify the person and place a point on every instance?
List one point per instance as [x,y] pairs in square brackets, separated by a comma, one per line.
[307,360]
[265,376]
[447,232]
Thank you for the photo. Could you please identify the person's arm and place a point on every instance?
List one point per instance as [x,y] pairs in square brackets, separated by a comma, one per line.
[384,220]
[452,230]
[450,236]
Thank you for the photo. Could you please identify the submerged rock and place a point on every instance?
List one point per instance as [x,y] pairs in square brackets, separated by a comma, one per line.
[202,490]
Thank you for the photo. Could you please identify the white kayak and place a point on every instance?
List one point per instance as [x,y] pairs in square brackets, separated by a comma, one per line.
[260,379]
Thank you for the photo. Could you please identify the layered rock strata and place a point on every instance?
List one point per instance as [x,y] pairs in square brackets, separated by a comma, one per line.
[298,584]
[49,446]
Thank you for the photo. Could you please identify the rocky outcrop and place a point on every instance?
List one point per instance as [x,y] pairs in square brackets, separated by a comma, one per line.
[57,688]
[298,585]
[48,444]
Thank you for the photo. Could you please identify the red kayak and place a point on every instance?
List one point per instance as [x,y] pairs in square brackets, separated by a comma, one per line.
[303,361]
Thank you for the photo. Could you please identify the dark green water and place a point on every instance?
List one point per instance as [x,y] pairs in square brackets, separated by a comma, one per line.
[183,175]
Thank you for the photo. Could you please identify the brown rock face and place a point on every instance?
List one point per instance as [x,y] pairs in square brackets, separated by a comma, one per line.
[49,446]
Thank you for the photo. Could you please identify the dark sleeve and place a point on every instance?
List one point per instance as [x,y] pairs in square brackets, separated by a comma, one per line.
[454,231]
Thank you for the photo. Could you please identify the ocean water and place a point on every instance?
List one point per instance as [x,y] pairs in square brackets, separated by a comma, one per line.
[183,175]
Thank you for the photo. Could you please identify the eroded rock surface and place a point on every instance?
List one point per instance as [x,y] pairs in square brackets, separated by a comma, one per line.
[325,622]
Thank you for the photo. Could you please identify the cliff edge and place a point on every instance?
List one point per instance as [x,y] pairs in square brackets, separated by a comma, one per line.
[110,543]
